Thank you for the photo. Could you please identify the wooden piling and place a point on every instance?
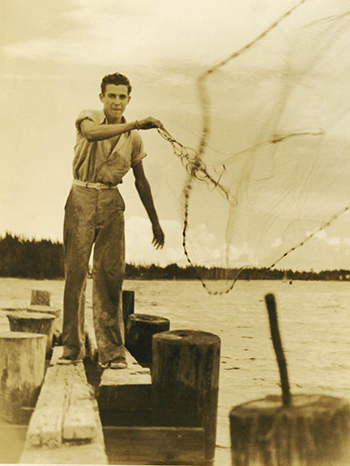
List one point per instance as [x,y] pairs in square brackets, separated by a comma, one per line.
[31,322]
[140,329]
[185,376]
[40,297]
[128,304]
[289,430]
[313,432]
[22,365]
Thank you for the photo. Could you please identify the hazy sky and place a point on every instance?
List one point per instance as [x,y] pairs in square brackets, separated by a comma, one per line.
[53,56]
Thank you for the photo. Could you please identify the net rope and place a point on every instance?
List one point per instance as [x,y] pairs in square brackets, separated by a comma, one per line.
[270,136]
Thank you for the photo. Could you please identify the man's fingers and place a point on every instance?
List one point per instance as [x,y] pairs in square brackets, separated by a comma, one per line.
[149,123]
[158,243]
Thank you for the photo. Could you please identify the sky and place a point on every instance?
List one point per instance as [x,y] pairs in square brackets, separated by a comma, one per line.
[53,56]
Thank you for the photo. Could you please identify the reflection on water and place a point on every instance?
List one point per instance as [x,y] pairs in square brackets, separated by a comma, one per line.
[314,320]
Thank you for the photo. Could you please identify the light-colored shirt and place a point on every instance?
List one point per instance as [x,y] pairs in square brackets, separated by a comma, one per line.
[108,160]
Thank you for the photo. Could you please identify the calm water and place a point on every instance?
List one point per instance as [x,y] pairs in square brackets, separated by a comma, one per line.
[314,320]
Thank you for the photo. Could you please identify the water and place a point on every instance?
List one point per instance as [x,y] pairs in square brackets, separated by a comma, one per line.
[314,321]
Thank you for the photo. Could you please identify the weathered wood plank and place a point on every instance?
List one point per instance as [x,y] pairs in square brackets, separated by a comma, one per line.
[45,427]
[79,420]
[65,427]
[125,388]
[155,445]
[70,452]
[91,453]
[64,410]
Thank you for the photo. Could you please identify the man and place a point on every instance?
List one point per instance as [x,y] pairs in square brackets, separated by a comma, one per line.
[106,148]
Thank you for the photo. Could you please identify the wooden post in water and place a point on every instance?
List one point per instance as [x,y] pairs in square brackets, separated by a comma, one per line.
[140,329]
[128,304]
[185,377]
[22,364]
[40,297]
[31,322]
[298,430]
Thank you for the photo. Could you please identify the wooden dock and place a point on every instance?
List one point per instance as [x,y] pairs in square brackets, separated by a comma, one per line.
[65,427]
[86,415]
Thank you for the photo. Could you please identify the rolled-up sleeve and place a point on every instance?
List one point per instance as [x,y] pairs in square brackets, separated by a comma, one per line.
[91,115]
[138,151]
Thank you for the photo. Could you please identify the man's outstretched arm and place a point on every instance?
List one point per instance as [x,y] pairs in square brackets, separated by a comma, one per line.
[144,190]
[94,132]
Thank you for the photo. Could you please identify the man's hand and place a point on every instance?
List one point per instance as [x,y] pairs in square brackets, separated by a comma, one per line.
[158,236]
[148,123]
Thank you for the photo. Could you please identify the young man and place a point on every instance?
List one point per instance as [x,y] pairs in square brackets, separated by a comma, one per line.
[106,148]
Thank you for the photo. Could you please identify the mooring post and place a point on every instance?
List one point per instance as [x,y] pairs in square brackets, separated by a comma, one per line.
[31,322]
[185,377]
[140,329]
[298,430]
[22,365]
[40,297]
[128,304]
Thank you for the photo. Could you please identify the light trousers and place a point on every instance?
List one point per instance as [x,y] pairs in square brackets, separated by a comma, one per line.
[94,217]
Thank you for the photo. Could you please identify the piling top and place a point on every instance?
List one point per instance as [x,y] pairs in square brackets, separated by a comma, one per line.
[302,404]
[7,335]
[187,337]
[29,315]
[147,318]
[43,309]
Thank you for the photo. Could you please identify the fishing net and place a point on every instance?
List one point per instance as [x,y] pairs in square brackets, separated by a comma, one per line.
[272,164]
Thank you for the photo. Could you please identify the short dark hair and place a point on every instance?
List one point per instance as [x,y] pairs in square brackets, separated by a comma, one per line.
[117,79]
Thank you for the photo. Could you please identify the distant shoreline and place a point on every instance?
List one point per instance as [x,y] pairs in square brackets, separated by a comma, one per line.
[44,260]
[148,278]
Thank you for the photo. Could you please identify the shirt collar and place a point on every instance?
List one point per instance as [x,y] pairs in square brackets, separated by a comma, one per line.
[103,118]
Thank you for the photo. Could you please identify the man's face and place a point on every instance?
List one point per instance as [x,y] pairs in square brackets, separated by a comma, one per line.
[115,99]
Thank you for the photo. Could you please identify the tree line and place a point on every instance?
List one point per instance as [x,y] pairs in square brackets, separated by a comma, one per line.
[29,258]
[43,259]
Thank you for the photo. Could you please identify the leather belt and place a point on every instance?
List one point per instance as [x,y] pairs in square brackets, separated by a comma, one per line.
[98,186]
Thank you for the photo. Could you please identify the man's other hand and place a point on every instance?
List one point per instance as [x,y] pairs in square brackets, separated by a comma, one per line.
[158,237]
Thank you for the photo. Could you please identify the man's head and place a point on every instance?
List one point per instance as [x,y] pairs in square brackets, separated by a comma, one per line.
[115,96]
[117,79]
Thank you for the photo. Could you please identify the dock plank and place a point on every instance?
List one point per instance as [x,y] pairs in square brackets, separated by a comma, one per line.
[65,427]
[155,445]
[127,389]
[45,426]
[79,419]
[92,453]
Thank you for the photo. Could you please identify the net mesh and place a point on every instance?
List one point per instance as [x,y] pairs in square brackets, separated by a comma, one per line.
[272,164]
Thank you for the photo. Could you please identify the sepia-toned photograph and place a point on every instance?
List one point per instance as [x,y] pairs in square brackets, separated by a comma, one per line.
[175,232]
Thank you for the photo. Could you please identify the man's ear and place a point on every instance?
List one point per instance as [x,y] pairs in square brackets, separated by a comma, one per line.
[101,97]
